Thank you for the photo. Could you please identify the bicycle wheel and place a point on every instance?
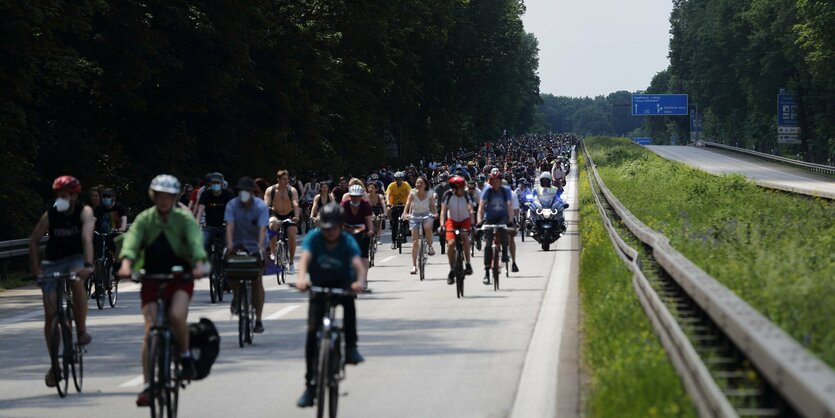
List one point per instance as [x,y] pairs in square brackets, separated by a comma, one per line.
[250,313]
[165,378]
[56,354]
[506,269]
[173,388]
[88,286]
[399,239]
[242,313]
[372,250]
[333,381]
[113,293]
[155,375]
[213,286]
[99,293]
[322,375]
[459,270]
[496,279]
[421,258]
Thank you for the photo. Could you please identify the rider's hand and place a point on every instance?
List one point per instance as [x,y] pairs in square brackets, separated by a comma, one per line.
[199,270]
[357,286]
[295,219]
[85,272]
[302,284]
[124,271]
[370,234]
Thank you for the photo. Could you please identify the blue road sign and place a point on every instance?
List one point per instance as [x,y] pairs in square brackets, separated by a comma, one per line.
[643,141]
[659,104]
[787,110]
[696,122]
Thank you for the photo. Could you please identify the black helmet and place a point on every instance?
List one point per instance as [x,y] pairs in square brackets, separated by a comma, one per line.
[331,216]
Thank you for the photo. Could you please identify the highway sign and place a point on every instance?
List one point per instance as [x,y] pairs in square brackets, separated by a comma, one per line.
[787,110]
[788,139]
[659,104]
[643,141]
[696,122]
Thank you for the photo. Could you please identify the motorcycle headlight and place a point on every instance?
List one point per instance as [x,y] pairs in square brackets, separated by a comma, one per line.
[539,211]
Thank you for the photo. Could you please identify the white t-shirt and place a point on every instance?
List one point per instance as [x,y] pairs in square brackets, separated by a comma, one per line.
[457,208]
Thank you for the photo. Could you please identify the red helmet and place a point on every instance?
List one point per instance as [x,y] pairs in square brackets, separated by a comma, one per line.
[457,181]
[68,184]
[495,176]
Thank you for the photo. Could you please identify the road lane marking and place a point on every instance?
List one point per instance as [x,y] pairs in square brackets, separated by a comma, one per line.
[283,312]
[136,381]
[389,258]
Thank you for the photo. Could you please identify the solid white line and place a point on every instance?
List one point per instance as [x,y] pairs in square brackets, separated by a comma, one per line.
[389,258]
[283,312]
[136,381]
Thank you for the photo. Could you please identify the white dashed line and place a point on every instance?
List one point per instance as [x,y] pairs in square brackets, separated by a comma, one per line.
[283,312]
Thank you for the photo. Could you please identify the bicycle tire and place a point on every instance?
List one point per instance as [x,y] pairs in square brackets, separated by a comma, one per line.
[99,294]
[507,269]
[241,317]
[459,269]
[175,391]
[78,367]
[250,314]
[399,239]
[213,286]
[88,286]
[421,257]
[113,293]
[56,354]
[333,383]
[166,377]
[322,375]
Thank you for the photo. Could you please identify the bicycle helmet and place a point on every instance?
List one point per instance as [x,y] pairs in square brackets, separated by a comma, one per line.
[457,181]
[375,176]
[399,175]
[331,216]
[355,190]
[215,177]
[67,184]
[444,176]
[495,175]
[165,183]
[545,175]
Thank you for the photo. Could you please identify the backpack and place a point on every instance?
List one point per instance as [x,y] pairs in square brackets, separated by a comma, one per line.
[490,194]
[449,193]
[204,342]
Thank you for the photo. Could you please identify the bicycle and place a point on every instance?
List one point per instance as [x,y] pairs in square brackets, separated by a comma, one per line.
[244,267]
[458,264]
[282,251]
[399,231]
[423,248]
[102,278]
[496,245]
[372,245]
[65,354]
[164,381]
[217,277]
[330,369]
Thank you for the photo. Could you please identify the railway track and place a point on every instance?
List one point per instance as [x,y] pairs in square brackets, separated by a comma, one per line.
[733,362]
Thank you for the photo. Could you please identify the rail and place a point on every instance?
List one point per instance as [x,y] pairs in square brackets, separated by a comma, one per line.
[813,167]
[795,374]
[14,248]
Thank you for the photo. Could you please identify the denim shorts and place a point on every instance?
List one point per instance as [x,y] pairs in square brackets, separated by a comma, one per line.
[64,265]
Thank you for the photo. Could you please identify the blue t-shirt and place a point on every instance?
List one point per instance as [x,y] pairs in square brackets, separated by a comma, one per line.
[495,204]
[331,267]
[248,221]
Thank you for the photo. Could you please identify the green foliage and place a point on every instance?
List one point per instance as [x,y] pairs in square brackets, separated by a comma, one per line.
[630,374]
[774,250]
[733,57]
[598,116]
[117,91]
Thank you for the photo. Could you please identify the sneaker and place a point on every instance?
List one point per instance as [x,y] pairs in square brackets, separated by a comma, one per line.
[187,372]
[292,269]
[50,380]
[259,327]
[431,251]
[514,268]
[84,338]
[306,400]
[414,270]
[144,398]
[393,245]
[450,279]
[353,356]
[505,258]
[486,280]
[468,270]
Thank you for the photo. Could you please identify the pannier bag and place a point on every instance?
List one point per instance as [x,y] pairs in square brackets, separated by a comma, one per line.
[205,346]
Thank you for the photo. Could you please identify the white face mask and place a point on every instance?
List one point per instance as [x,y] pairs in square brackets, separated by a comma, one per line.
[62,204]
[245,196]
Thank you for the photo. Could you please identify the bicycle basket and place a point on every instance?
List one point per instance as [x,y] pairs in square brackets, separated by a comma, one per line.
[242,267]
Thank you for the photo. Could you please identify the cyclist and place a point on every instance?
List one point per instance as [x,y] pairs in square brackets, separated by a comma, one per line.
[420,203]
[283,199]
[110,215]
[161,237]
[94,200]
[456,212]
[246,227]
[320,200]
[547,190]
[557,173]
[69,249]
[512,233]
[332,257]
[377,207]
[495,207]
[439,191]
[397,193]
[212,203]
[358,212]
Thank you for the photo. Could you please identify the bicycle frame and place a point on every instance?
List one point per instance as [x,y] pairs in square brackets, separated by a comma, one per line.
[330,369]
[62,332]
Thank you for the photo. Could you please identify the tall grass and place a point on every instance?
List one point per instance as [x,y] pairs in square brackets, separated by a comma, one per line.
[775,250]
[629,372]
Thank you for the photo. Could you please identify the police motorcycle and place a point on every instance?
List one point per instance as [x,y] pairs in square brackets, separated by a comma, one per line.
[546,222]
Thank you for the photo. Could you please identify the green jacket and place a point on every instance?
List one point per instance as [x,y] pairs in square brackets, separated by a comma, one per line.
[181,230]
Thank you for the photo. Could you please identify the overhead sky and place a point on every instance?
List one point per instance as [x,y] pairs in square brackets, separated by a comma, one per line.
[594,47]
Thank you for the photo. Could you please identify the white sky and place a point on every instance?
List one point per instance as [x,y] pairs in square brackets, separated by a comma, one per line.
[594,47]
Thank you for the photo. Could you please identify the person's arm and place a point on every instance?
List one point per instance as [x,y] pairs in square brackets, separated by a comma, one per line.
[389,195]
[362,274]
[301,279]
[88,224]
[369,227]
[131,243]
[314,210]
[432,206]
[194,238]
[229,218]
[442,219]
[268,196]
[407,207]
[124,225]
[40,230]
[200,209]
[480,217]
[296,211]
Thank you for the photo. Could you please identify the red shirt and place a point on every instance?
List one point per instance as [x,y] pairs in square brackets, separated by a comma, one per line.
[363,211]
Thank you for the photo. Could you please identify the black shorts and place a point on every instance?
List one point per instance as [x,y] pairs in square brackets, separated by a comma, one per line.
[287,216]
[363,241]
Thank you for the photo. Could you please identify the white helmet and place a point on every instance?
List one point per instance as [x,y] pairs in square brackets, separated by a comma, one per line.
[545,175]
[165,183]
[495,170]
[355,190]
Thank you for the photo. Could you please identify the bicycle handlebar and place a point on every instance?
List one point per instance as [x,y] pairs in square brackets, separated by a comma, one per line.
[71,276]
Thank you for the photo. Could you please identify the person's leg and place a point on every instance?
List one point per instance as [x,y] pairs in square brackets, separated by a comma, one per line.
[488,247]
[415,232]
[258,297]
[79,304]
[349,312]
[315,313]
[503,240]
[292,231]
[427,233]
[177,316]
[512,240]
[465,237]
[451,252]
[50,306]
[149,312]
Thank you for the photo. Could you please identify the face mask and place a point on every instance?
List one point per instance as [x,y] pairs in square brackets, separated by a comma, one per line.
[62,204]
[245,196]
[355,204]
[215,187]
[107,201]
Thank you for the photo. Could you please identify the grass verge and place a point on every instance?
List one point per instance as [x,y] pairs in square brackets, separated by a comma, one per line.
[629,374]
[773,249]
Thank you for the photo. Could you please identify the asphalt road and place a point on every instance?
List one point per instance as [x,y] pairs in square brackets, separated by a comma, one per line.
[765,173]
[427,353]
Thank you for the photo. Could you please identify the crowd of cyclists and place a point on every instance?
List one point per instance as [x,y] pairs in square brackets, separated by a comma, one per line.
[340,219]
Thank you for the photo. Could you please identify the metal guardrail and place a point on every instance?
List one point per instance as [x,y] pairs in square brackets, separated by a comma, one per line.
[798,375]
[813,167]
[15,248]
